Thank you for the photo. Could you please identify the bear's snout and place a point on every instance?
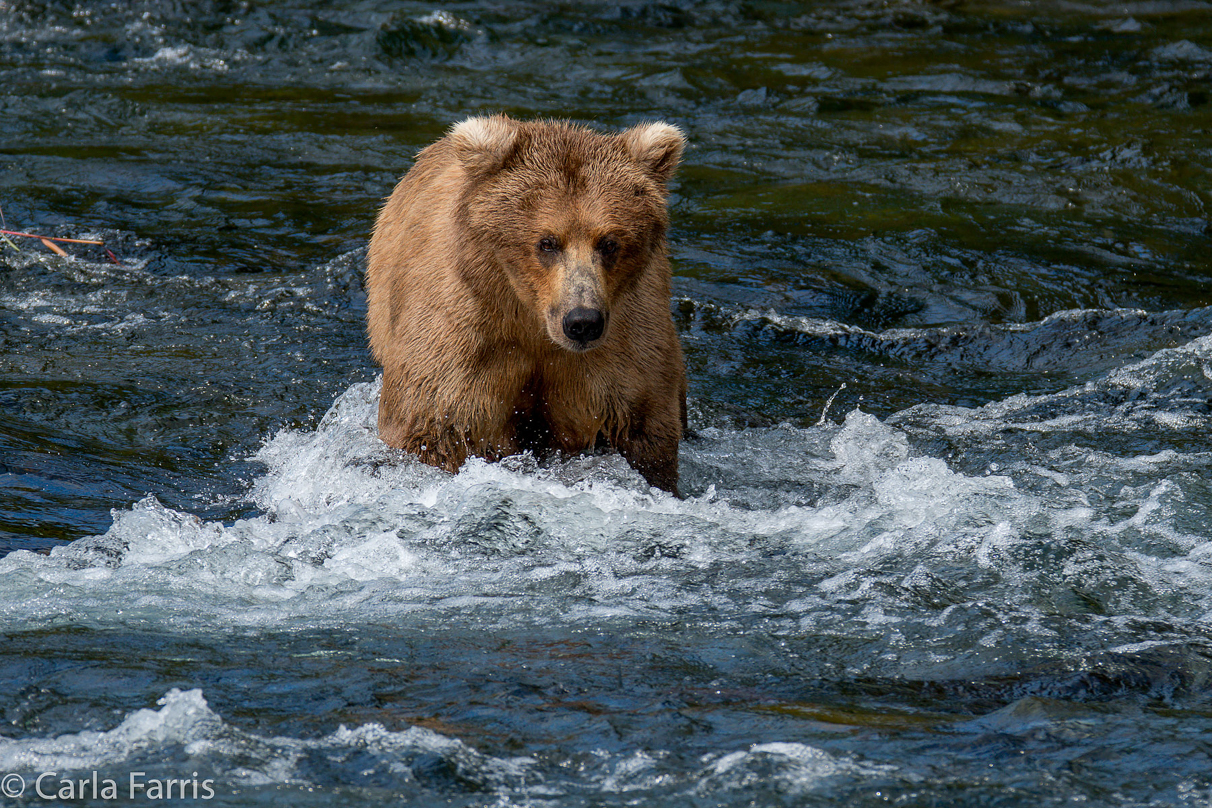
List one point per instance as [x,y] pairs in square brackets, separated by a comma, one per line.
[584,325]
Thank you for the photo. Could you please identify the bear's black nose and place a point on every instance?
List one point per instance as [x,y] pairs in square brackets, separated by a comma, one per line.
[584,325]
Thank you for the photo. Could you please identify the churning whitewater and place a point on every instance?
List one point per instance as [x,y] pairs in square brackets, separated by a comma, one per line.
[943,542]
[790,525]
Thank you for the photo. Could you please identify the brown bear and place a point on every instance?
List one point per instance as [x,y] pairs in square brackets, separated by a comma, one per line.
[518,292]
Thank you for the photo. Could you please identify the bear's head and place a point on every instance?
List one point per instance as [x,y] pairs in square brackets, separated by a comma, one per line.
[575,218]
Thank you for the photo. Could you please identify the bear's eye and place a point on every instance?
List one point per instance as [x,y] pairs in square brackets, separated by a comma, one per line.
[608,247]
[548,245]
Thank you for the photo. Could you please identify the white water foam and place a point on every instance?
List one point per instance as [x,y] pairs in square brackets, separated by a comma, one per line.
[354,532]
[785,768]
[186,729]
[185,735]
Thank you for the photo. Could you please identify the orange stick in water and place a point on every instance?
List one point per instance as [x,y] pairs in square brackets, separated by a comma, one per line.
[45,239]
[53,247]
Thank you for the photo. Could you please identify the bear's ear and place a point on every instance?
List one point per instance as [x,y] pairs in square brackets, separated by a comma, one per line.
[483,145]
[657,147]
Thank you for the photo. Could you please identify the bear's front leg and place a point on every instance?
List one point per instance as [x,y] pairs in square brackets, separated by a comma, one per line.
[430,440]
[656,461]
[651,447]
[440,430]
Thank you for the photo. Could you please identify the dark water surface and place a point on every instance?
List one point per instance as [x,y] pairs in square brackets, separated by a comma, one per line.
[981,576]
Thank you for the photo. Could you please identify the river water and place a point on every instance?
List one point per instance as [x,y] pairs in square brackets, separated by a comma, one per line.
[942,277]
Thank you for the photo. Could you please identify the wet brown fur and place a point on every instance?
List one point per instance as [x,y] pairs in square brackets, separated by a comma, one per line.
[465,301]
